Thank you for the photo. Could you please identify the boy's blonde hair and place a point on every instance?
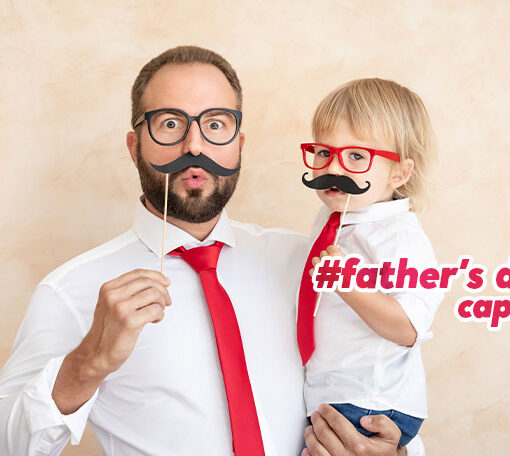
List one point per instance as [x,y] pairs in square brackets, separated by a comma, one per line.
[373,107]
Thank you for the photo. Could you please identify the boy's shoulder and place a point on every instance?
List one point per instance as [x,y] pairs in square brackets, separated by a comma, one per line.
[401,235]
[401,223]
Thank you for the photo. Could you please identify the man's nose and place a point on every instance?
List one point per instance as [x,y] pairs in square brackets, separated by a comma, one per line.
[193,142]
[335,167]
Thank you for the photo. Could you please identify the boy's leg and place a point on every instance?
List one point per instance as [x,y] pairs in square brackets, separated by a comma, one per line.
[408,425]
[354,413]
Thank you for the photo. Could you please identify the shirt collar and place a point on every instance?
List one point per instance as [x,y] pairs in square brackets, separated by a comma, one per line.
[149,228]
[371,213]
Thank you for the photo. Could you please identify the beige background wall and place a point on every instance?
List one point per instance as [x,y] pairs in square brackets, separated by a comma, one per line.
[67,182]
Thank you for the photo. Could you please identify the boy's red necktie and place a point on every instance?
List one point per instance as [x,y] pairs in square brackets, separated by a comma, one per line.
[246,435]
[307,295]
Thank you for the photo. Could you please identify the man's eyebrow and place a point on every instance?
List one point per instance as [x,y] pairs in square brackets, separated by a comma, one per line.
[217,111]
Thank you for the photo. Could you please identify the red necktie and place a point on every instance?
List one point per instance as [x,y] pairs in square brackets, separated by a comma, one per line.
[246,435]
[307,296]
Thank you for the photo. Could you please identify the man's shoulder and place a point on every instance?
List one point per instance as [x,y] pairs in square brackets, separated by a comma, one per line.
[88,261]
[252,231]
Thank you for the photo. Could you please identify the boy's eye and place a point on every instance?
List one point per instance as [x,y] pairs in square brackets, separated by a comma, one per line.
[356,156]
[323,153]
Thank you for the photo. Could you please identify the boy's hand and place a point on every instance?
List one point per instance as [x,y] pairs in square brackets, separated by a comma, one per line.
[332,250]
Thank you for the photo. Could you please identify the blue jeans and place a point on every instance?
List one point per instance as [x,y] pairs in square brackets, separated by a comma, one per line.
[408,425]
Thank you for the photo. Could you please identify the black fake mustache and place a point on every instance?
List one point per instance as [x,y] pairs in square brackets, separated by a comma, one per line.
[343,183]
[199,161]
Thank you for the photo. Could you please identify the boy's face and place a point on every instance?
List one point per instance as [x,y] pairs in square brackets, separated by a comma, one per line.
[382,175]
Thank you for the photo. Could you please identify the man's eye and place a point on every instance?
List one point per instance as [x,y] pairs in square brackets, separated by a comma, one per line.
[214,125]
[171,123]
[323,153]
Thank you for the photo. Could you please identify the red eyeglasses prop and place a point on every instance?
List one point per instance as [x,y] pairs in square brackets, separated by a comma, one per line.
[353,159]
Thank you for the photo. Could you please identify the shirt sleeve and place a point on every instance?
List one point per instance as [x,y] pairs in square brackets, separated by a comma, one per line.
[410,241]
[415,447]
[30,422]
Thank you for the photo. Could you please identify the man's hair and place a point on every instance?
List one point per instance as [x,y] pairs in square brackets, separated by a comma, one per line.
[373,107]
[180,55]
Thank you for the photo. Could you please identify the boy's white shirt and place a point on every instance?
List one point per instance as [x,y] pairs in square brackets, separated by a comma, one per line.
[351,362]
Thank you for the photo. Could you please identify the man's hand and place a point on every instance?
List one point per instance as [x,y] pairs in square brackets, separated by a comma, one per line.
[331,434]
[125,305]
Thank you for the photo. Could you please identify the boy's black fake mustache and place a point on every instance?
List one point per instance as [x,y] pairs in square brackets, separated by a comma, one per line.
[343,183]
[199,161]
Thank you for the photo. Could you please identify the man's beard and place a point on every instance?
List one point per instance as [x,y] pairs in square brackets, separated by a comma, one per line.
[193,208]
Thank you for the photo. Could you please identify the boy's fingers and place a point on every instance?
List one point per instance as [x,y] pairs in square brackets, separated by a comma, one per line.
[323,253]
[316,260]
[334,250]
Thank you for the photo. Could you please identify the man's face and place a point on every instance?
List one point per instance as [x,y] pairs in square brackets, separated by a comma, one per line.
[194,194]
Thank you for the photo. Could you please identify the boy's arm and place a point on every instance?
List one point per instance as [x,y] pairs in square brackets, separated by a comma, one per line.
[382,313]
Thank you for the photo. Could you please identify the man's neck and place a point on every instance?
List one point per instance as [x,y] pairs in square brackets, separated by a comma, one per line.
[198,230]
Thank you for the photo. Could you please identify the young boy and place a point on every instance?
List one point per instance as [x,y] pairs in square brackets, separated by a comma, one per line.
[373,139]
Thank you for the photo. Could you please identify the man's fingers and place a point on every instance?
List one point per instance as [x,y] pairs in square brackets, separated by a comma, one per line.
[146,298]
[134,274]
[336,421]
[313,445]
[326,436]
[152,312]
[381,424]
[140,284]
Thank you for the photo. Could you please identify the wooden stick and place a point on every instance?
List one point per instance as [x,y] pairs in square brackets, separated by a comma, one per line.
[164,225]
[334,243]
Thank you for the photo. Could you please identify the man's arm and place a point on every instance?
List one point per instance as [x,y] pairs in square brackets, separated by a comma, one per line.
[125,305]
[331,434]
[47,389]
[30,423]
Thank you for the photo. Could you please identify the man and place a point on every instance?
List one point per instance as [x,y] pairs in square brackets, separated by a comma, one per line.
[184,384]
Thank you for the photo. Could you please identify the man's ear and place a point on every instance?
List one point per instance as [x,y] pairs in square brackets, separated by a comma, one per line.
[401,172]
[241,140]
[131,142]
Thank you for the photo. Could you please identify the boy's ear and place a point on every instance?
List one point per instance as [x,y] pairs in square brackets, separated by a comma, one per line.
[401,172]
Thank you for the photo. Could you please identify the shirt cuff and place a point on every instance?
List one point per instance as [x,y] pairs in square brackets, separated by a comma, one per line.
[41,410]
[417,313]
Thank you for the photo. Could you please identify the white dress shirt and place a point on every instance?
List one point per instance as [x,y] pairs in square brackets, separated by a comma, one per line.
[351,362]
[168,398]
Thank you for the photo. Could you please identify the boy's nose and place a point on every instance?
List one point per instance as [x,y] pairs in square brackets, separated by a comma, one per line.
[335,167]
[193,142]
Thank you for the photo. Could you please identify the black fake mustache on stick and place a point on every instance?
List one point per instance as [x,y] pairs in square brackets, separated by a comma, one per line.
[199,161]
[343,183]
